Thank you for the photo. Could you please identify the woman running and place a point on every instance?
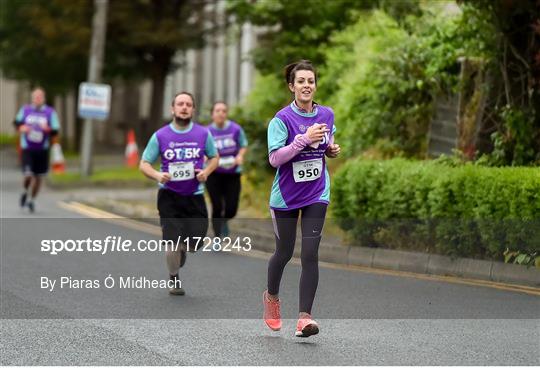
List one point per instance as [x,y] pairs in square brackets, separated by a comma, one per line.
[224,183]
[299,136]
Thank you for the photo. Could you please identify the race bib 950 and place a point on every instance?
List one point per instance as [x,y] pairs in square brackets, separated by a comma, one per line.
[307,170]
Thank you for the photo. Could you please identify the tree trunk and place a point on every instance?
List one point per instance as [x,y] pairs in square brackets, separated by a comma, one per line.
[159,69]
[156,106]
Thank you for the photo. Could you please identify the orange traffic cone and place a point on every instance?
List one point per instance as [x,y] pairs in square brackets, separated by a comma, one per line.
[132,152]
[58,162]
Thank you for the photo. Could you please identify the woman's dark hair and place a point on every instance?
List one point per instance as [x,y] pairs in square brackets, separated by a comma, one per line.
[218,102]
[291,69]
[183,93]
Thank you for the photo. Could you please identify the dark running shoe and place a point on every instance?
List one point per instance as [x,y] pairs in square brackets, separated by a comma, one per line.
[23,199]
[177,289]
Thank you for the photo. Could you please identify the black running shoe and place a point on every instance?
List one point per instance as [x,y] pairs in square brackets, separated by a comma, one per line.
[177,286]
[23,199]
[31,207]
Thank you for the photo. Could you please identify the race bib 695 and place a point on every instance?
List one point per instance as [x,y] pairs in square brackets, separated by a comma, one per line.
[181,171]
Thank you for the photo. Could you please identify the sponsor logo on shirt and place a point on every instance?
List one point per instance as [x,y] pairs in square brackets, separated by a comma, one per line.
[182,153]
[225,142]
[35,119]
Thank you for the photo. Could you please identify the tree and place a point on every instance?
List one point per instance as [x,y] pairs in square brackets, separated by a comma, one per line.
[511,123]
[299,29]
[144,36]
[37,48]
[47,41]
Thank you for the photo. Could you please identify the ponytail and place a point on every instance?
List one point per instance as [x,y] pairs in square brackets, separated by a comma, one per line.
[291,69]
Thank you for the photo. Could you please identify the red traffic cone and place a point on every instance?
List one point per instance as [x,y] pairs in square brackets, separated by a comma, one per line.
[132,151]
[58,162]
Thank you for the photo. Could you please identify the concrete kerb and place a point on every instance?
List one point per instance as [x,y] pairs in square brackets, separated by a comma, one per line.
[441,265]
[334,253]
[400,260]
[361,256]
[504,272]
[473,268]
[422,263]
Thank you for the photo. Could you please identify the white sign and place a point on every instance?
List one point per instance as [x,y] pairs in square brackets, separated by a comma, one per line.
[94,101]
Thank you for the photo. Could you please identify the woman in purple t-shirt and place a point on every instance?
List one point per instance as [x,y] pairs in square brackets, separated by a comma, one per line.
[299,137]
[224,184]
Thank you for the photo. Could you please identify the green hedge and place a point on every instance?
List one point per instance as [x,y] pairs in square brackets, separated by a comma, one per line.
[467,211]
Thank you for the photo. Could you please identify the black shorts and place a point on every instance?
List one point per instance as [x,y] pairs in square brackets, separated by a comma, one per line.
[182,216]
[35,162]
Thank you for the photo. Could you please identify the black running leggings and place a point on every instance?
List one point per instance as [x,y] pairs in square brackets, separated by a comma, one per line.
[312,221]
[224,190]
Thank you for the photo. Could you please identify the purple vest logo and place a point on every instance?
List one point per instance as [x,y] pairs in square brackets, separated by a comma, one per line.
[326,138]
[225,142]
[34,119]
[182,153]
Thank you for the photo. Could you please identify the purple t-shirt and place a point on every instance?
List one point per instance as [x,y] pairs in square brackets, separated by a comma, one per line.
[304,179]
[182,154]
[37,118]
[228,144]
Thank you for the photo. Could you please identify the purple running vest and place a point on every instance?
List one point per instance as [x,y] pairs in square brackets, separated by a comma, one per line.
[228,145]
[182,147]
[37,138]
[297,194]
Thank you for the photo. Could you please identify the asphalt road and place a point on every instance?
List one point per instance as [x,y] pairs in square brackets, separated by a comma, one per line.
[365,318]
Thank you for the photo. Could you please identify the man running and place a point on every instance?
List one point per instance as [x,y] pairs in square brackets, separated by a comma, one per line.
[182,146]
[224,184]
[36,124]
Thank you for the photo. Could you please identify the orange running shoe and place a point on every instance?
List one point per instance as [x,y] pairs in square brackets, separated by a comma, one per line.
[272,314]
[306,327]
